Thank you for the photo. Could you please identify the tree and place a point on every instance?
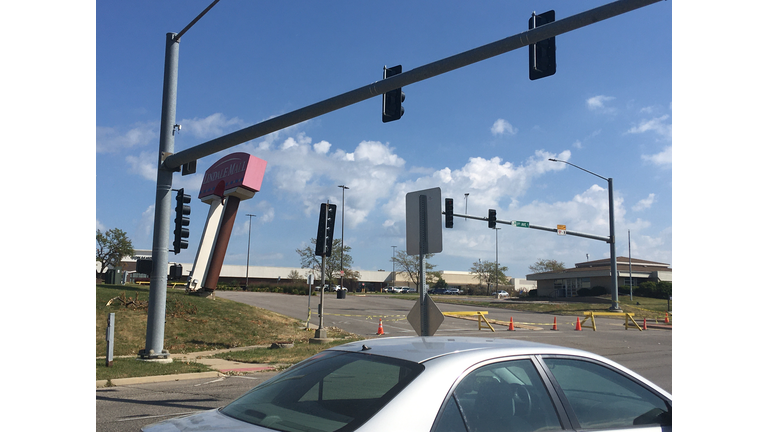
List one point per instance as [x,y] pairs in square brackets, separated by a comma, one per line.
[333,266]
[409,265]
[111,247]
[543,266]
[487,273]
[294,276]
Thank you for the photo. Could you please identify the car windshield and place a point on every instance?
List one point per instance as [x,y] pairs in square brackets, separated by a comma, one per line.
[332,391]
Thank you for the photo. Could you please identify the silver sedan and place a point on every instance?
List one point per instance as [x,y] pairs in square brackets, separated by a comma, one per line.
[444,384]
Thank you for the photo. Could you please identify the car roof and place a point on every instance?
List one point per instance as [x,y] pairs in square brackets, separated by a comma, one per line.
[421,349]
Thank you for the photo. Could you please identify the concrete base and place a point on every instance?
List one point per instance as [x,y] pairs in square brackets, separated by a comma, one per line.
[156,360]
[321,336]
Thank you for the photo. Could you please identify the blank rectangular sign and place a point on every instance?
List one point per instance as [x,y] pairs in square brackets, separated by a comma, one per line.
[434,221]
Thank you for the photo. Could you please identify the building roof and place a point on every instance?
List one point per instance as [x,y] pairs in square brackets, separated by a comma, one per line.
[600,267]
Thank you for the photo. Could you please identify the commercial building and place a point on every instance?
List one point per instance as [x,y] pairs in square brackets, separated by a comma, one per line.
[589,274]
[369,280]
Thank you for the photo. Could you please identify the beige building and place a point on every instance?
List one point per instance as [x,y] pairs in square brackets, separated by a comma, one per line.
[590,274]
[369,280]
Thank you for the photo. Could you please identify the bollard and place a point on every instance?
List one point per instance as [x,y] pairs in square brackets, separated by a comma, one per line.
[110,338]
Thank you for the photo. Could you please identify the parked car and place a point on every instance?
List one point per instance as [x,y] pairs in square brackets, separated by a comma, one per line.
[437,291]
[444,384]
[453,291]
[410,290]
[500,293]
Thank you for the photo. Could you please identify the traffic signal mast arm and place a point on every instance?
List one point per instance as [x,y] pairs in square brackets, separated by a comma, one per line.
[538,227]
[405,78]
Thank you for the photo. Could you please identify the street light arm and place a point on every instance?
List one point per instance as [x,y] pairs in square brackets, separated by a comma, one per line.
[565,162]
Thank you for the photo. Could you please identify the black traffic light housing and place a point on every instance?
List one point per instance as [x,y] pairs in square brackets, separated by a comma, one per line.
[322,232]
[449,212]
[392,103]
[491,218]
[541,55]
[180,233]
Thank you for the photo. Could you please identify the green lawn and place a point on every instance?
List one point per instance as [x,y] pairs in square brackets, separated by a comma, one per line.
[192,324]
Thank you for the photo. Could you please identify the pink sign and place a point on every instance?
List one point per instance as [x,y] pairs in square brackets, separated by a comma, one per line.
[233,171]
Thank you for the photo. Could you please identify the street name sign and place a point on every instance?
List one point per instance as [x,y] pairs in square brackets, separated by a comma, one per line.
[521,224]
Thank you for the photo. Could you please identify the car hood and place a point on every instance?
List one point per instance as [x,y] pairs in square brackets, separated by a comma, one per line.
[211,420]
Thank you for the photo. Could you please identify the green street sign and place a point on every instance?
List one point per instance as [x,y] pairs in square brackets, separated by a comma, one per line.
[521,224]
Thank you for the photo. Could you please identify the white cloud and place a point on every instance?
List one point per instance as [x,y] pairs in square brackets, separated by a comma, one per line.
[322,147]
[598,103]
[501,127]
[644,204]
[210,127]
[144,165]
[659,125]
[662,159]
[109,139]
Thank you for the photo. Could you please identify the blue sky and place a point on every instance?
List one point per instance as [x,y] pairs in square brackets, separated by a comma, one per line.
[485,129]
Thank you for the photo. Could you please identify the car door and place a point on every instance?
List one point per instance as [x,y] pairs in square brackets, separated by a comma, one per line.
[598,397]
[505,395]
[551,393]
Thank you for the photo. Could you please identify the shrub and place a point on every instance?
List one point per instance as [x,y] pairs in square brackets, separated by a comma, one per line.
[533,293]
[584,292]
[598,291]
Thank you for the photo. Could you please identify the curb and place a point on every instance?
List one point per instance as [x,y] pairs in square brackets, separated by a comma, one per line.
[220,368]
[157,378]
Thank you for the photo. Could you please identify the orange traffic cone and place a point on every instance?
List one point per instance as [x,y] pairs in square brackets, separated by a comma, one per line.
[666,318]
[554,327]
[511,325]
[645,326]
[380,331]
[578,324]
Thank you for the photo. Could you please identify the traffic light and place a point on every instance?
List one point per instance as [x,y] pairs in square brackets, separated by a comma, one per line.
[541,55]
[325,230]
[180,233]
[491,218]
[449,212]
[392,103]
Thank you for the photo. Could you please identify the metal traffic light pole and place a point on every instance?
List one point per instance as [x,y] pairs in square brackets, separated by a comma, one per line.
[158,281]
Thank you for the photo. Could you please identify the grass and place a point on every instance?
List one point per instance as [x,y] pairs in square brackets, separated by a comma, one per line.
[300,351]
[192,324]
[132,367]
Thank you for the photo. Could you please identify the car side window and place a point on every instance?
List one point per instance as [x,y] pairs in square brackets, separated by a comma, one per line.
[604,398]
[503,396]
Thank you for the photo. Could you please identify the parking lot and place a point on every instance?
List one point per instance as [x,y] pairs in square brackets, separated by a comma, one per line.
[647,352]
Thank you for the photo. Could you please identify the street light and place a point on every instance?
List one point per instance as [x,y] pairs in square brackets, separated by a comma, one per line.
[393,265]
[248,258]
[343,188]
[614,273]
[497,259]
[466,200]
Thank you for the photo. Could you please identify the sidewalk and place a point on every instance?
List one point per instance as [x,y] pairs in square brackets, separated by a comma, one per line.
[221,368]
